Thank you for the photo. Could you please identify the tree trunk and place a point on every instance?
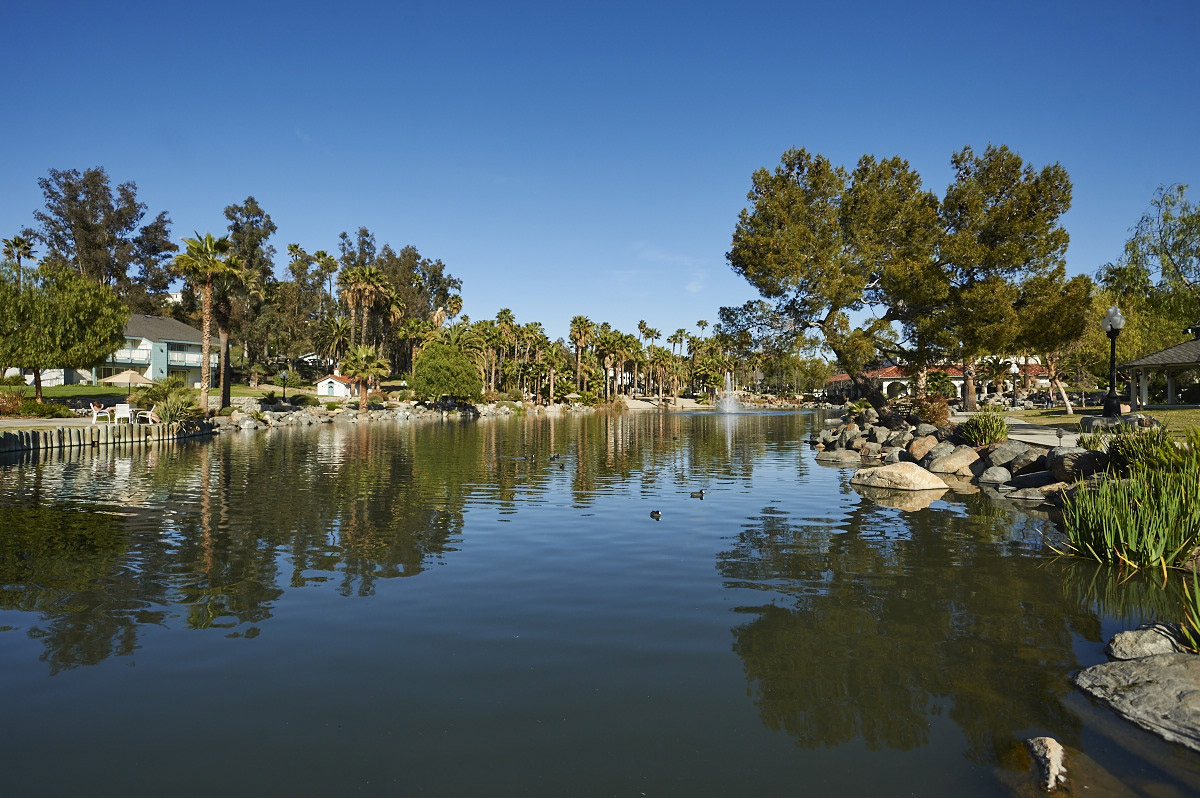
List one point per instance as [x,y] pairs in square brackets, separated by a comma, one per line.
[225,371]
[922,388]
[37,385]
[205,347]
[1055,382]
[969,403]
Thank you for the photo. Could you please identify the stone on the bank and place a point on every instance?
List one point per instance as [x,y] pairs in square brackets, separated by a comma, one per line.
[1146,641]
[996,475]
[894,455]
[839,457]
[871,449]
[901,437]
[1026,495]
[1159,693]
[924,429]
[1006,452]
[922,446]
[1050,758]
[957,461]
[1031,460]
[880,434]
[898,476]
[848,435]
[1035,479]
[1070,463]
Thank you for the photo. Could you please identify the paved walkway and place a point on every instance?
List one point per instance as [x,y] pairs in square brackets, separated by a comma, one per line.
[1030,433]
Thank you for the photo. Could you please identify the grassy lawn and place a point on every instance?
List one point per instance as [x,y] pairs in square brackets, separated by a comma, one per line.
[1175,420]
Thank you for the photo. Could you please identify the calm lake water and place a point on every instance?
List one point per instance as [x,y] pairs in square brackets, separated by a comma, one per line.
[488,609]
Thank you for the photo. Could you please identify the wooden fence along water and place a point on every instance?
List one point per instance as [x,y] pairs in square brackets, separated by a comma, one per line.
[61,438]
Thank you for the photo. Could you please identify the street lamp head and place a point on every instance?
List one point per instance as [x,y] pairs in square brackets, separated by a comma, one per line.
[1113,321]
[1013,368]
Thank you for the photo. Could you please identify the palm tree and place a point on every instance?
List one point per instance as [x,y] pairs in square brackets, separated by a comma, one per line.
[676,339]
[703,325]
[582,331]
[16,248]
[204,261]
[333,337]
[363,364]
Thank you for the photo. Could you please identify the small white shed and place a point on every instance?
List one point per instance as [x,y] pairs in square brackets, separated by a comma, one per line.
[335,386]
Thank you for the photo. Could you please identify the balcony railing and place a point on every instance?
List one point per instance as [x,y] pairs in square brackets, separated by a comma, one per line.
[131,356]
[189,359]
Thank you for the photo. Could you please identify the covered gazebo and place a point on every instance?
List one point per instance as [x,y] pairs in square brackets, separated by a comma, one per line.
[1170,361]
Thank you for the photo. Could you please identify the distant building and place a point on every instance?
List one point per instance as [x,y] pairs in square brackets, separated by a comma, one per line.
[335,386]
[155,346]
[894,382]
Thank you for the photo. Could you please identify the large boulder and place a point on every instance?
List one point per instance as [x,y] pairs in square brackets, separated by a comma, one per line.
[1006,452]
[941,450]
[879,434]
[898,476]
[996,475]
[901,437]
[1070,463]
[848,435]
[1034,479]
[839,457]
[922,446]
[924,429]
[1032,459]
[1160,693]
[956,462]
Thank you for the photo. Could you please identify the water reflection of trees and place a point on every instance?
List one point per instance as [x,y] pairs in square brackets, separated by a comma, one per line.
[875,628]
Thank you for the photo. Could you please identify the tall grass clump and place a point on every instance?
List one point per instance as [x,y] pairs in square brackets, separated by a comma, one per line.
[1146,510]
[985,427]
[1191,613]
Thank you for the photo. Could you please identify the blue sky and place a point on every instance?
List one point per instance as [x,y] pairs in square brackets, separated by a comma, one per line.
[584,158]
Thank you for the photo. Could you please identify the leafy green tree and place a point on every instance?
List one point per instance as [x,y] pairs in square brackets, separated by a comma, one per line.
[363,365]
[442,370]
[1056,316]
[821,243]
[250,227]
[206,261]
[100,233]
[58,319]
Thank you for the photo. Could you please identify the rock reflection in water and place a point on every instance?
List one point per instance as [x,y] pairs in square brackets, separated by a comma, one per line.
[907,500]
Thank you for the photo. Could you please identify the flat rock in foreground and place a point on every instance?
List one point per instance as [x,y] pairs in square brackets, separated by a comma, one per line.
[898,476]
[1159,693]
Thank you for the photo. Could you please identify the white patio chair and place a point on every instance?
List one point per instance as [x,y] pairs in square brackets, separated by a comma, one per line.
[97,414]
[122,412]
[145,416]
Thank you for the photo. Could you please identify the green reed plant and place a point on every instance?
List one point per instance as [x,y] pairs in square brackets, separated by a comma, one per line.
[177,406]
[1191,613]
[1150,518]
[985,427]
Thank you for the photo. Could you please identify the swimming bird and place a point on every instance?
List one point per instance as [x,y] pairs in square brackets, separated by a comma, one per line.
[698,494]
[655,514]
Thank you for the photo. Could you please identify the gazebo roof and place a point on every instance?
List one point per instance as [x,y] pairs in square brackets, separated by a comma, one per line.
[1184,354]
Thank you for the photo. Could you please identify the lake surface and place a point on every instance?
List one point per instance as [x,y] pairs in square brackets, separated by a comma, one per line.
[488,609]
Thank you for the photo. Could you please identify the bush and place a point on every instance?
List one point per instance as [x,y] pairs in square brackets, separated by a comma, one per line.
[10,401]
[15,379]
[305,400]
[332,405]
[177,406]
[933,409]
[269,398]
[226,411]
[588,398]
[985,427]
[31,409]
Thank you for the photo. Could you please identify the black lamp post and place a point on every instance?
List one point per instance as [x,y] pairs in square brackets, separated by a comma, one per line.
[1014,370]
[1112,324]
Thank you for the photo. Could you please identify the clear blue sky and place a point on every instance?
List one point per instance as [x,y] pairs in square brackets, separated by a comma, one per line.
[571,158]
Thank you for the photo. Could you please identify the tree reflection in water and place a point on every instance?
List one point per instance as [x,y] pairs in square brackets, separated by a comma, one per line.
[876,626]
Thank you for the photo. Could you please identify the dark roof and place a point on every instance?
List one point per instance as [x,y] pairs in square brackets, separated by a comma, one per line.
[1184,354]
[161,328]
